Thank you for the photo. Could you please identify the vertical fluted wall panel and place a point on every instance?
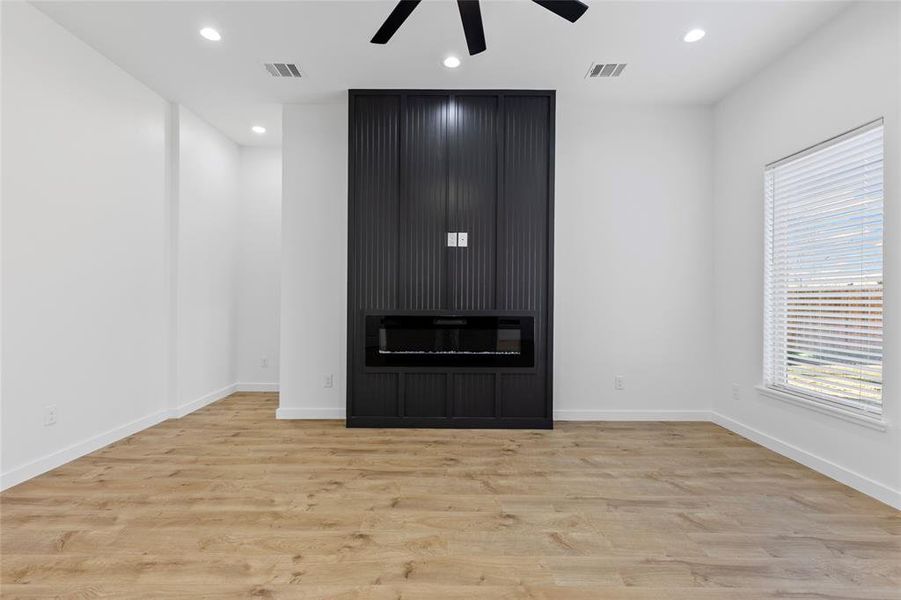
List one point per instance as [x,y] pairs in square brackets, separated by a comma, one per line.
[474,201]
[425,395]
[525,234]
[474,394]
[423,204]
[375,148]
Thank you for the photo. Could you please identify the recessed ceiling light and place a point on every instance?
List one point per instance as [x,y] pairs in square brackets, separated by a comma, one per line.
[210,34]
[451,62]
[694,35]
[258,129]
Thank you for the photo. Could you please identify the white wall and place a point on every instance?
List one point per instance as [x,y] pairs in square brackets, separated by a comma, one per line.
[633,251]
[207,261]
[314,261]
[120,250]
[259,267]
[633,262]
[843,76]
[83,247]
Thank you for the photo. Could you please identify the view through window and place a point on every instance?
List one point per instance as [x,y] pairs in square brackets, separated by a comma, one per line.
[824,277]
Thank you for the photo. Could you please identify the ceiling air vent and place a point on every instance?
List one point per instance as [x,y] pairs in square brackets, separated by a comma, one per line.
[605,70]
[283,70]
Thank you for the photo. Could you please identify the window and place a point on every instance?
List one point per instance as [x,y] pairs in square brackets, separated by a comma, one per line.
[823,287]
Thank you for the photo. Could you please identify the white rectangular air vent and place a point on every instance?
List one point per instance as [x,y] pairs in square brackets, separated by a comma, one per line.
[283,69]
[605,70]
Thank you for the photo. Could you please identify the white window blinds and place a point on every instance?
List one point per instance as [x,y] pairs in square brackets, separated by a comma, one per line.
[823,286]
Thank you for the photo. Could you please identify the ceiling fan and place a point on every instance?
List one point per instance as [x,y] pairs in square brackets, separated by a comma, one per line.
[471,15]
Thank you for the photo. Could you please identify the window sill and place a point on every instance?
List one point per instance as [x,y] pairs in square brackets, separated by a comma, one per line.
[872,422]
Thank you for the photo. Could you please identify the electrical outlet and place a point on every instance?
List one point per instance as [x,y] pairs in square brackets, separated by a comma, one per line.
[264,362]
[736,392]
[618,383]
[328,381]
[50,415]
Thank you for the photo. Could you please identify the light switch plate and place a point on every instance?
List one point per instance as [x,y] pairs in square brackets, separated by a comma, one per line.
[451,239]
[462,239]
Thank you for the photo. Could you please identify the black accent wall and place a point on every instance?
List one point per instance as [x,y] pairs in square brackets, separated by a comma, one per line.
[423,163]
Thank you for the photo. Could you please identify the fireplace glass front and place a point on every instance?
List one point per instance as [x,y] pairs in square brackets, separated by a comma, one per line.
[449,341]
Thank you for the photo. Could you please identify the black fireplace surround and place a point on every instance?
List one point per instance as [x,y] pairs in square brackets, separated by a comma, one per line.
[450,258]
[449,341]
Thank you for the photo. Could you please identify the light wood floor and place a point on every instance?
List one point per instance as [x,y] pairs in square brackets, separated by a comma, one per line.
[230,503]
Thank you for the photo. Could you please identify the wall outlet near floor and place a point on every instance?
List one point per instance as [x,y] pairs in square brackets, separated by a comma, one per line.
[736,391]
[328,381]
[618,383]
[50,415]
[264,362]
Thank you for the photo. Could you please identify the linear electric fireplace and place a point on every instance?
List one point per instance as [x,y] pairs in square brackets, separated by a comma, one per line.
[450,341]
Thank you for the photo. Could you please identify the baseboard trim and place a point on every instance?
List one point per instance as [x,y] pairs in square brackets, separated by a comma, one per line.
[850,478]
[631,415]
[560,415]
[189,407]
[288,413]
[257,387]
[66,455]
[60,457]
[828,468]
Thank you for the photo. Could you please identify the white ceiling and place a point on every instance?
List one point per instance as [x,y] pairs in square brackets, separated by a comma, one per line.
[528,47]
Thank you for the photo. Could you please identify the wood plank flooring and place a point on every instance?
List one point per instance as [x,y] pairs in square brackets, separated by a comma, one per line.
[230,503]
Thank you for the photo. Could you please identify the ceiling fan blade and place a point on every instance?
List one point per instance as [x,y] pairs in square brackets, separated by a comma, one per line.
[394,21]
[570,10]
[471,15]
